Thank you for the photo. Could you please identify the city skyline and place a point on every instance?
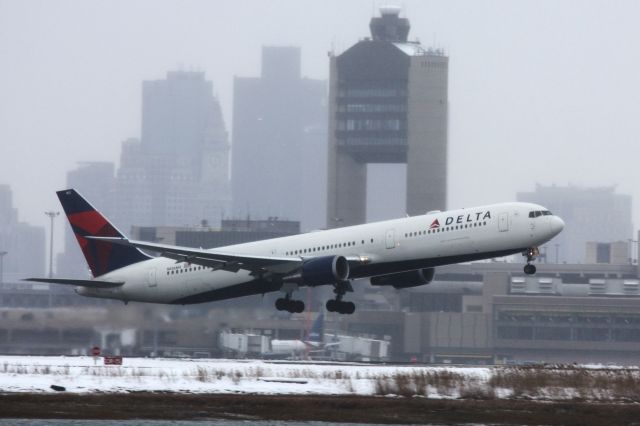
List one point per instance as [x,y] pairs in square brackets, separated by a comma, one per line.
[524,90]
[279,141]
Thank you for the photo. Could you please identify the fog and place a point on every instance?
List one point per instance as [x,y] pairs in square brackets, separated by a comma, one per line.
[539,91]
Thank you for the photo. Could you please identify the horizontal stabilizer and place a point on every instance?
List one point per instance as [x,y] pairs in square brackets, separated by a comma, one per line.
[81,283]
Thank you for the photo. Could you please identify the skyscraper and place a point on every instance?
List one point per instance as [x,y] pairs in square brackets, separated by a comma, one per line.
[177,173]
[24,244]
[388,103]
[279,134]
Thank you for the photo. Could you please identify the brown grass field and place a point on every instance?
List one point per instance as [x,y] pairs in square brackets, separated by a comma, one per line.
[356,409]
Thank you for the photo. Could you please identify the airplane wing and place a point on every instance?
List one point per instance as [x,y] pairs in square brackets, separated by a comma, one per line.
[81,283]
[217,260]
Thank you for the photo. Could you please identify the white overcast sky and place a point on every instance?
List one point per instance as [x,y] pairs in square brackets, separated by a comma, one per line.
[540,91]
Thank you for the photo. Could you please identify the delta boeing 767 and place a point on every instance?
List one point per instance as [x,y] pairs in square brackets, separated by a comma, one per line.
[400,253]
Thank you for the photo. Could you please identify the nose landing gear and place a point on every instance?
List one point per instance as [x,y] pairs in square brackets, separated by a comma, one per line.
[531,254]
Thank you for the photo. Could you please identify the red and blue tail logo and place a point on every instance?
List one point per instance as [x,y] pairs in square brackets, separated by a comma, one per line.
[102,256]
[316,334]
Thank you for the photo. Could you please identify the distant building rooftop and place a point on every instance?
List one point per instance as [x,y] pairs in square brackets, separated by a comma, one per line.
[416,49]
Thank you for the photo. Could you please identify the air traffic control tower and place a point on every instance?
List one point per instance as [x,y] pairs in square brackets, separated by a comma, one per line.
[387,104]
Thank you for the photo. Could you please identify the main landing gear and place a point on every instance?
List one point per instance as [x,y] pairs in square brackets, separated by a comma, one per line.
[337,304]
[531,255]
[287,304]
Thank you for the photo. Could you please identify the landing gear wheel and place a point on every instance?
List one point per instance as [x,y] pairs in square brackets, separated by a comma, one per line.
[340,307]
[337,305]
[281,304]
[332,305]
[293,306]
[297,306]
[348,308]
[531,254]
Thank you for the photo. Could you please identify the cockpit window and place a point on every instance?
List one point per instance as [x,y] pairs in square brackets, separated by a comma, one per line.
[539,213]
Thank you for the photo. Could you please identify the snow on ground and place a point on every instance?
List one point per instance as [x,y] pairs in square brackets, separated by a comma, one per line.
[83,374]
[86,375]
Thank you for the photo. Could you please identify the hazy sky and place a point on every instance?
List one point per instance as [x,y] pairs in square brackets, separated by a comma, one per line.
[540,91]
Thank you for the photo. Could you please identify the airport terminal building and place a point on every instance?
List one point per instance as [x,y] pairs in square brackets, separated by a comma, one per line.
[474,313]
[565,313]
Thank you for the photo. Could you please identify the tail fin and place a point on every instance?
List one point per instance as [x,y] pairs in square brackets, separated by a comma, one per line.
[316,333]
[85,220]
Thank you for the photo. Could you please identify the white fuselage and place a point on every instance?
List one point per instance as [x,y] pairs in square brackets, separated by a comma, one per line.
[410,243]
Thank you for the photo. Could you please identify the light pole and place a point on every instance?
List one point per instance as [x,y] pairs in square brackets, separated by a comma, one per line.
[2,254]
[52,215]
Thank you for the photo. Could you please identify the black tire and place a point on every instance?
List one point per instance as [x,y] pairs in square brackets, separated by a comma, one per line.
[529,269]
[332,305]
[298,306]
[349,308]
[281,304]
[346,308]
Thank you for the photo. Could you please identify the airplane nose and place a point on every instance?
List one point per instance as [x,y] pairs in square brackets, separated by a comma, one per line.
[557,225]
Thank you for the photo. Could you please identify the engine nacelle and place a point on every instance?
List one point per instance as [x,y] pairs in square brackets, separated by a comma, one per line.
[321,270]
[405,279]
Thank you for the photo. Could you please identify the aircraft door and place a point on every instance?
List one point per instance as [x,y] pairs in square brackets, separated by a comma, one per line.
[152,278]
[503,222]
[390,239]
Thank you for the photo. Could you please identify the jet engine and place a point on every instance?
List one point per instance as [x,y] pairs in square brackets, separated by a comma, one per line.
[321,270]
[405,279]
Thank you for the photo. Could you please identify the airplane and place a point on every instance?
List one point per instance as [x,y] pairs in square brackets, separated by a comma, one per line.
[400,253]
[313,342]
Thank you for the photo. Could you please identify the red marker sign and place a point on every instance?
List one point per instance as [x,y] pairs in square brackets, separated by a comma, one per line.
[112,360]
